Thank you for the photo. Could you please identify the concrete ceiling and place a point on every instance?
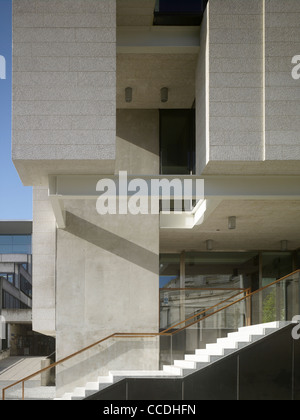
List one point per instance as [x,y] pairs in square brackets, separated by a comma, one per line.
[135,12]
[15,227]
[261,225]
[151,57]
[148,73]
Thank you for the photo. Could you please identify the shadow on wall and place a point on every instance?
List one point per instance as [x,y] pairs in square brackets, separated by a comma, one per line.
[140,128]
[115,353]
[112,243]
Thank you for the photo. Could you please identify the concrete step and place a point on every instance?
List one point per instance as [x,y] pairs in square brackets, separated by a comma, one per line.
[137,373]
[92,387]
[198,358]
[259,329]
[185,364]
[65,397]
[190,364]
[233,339]
[105,379]
[78,394]
[175,370]
[214,351]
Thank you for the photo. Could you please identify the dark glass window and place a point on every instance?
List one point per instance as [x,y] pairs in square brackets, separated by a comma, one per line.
[275,266]
[9,277]
[10,302]
[26,286]
[179,12]
[177,141]
[15,244]
[179,6]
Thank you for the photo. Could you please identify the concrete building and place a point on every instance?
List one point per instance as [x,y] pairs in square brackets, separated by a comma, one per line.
[17,337]
[154,88]
[15,286]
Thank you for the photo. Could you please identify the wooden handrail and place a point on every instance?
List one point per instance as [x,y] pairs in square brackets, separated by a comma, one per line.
[171,289]
[147,335]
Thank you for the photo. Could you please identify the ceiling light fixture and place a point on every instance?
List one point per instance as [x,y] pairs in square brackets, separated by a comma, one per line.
[164,95]
[232,222]
[209,245]
[128,94]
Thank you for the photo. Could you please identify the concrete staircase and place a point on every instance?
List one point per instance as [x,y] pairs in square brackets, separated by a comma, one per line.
[234,342]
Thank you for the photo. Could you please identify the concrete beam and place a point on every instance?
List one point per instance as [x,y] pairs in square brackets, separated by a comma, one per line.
[59,212]
[216,189]
[17,316]
[158,39]
[57,204]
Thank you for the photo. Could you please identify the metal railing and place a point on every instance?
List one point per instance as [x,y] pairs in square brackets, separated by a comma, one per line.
[277,301]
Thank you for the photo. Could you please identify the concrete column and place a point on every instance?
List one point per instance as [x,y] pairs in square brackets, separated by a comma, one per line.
[44,263]
[108,270]
[229,86]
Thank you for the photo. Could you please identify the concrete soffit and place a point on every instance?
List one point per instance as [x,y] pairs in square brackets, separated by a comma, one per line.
[158,39]
[216,189]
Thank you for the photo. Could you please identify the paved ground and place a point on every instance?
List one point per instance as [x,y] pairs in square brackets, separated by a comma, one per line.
[13,369]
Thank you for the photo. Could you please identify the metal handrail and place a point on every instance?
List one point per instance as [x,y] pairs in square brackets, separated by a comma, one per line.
[147,335]
[223,289]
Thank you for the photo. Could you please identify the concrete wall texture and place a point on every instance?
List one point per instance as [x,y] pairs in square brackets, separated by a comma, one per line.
[253,101]
[44,263]
[107,270]
[282,34]
[64,82]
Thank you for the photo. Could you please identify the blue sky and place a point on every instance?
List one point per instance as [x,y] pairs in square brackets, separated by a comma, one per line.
[15,200]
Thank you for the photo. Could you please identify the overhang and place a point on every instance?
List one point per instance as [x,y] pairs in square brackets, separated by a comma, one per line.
[17,316]
[11,227]
[216,190]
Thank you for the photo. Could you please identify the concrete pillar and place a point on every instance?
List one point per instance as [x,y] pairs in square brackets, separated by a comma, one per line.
[108,271]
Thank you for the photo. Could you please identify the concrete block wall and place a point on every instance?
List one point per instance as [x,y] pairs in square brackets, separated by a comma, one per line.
[64,83]
[252,101]
[235,77]
[233,83]
[282,26]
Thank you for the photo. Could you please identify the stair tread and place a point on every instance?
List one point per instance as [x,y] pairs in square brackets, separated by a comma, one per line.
[186,364]
[105,380]
[150,373]
[79,392]
[91,386]
[198,358]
